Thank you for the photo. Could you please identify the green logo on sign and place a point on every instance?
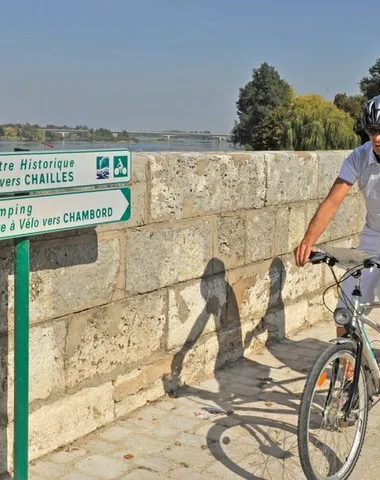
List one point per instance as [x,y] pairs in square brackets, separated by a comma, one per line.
[120,166]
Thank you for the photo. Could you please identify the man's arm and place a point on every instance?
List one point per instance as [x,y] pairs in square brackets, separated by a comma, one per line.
[321,219]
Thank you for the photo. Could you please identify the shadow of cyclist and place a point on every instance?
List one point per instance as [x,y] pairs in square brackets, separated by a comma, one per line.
[220,307]
[287,351]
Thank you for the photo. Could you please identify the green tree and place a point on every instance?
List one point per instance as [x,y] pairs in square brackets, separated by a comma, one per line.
[28,132]
[352,104]
[317,124]
[370,85]
[260,106]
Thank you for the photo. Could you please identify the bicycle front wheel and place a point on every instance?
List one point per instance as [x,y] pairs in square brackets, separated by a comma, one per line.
[329,441]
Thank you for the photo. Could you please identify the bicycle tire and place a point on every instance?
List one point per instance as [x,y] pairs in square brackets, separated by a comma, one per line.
[306,442]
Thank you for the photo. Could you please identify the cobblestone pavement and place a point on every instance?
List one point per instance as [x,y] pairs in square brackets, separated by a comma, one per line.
[186,438]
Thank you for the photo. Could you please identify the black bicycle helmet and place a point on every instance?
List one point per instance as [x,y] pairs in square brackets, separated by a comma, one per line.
[371,114]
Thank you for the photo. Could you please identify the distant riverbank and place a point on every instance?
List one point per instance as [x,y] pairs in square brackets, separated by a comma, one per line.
[147,146]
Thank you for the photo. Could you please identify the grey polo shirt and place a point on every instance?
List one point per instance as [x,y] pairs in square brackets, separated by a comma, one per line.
[361,165]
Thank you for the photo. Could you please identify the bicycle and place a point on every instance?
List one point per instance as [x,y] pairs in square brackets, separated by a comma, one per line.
[343,381]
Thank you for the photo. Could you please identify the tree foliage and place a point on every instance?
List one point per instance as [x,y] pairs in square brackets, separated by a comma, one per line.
[272,117]
[351,104]
[266,93]
[317,124]
[370,85]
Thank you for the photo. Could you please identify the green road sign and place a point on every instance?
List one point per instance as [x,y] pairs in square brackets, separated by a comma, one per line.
[35,171]
[31,215]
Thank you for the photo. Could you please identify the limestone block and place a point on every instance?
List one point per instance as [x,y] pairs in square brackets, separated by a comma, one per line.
[329,164]
[139,164]
[191,184]
[46,365]
[159,257]
[292,177]
[318,311]
[69,418]
[285,319]
[230,239]
[230,346]
[139,399]
[207,357]
[69,277]
[298,281]
[254,335]
[142,377]
[291,222]
[104,341]
[46,347]
[6,449]
[199,362]
[311,208]
[6,289]
[345,220]
[297,225]
[255,289]
[260,234]
[195,309]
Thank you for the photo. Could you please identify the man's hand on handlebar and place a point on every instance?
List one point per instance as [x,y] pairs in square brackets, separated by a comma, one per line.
[302,253]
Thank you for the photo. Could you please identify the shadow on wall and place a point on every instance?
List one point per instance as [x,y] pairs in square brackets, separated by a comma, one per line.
[221,306]
[274,323]
[47,252]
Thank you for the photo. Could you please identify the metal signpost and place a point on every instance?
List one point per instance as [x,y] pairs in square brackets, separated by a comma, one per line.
[23,216]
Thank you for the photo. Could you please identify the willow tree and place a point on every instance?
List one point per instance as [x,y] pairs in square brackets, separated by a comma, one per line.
[317,124]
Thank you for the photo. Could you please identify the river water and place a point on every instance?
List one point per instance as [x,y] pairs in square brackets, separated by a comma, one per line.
[171,145]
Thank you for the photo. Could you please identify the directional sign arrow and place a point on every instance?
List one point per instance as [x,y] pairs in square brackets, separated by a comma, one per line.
[32,215]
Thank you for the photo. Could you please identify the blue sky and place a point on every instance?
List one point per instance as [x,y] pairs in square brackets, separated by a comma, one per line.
[156,65]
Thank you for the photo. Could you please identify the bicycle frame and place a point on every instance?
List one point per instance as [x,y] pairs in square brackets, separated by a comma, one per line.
[367,349]
[359,318]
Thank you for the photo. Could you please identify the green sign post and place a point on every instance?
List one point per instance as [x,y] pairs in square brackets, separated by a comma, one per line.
[21,360]
[23,216]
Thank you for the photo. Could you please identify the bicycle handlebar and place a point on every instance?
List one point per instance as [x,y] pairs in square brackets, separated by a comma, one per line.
[348,257]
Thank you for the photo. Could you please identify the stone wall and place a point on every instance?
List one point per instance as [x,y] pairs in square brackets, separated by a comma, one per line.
[202,274]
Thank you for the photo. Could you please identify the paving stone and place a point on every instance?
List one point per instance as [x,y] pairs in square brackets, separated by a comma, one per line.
[68,456]
[99,446]
[77,476]
[48,469]
[187,474]
[104,467]
[142,475]
[156,464]
[116,433]
[191,456]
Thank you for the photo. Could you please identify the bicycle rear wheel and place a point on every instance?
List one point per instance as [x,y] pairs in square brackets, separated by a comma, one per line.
[329,444]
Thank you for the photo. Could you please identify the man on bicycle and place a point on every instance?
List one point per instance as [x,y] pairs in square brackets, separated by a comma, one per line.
[362,165]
